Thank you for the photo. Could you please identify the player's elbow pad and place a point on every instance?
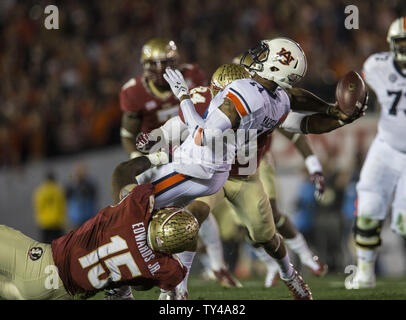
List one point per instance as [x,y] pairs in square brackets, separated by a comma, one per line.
[293,121]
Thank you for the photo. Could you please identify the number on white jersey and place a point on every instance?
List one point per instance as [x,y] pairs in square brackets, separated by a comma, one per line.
[195,95]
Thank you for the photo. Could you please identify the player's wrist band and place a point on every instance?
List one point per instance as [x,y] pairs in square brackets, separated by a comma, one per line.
[313,164]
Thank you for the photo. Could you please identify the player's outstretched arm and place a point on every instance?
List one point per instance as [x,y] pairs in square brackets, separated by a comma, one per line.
[302,100]
[305,101]
[315,123]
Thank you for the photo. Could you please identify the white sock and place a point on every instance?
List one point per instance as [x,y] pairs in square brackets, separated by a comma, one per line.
[205,261]
[299,246]
[186,258]
[285,267]
[366,255]
[209,234]
[270,262]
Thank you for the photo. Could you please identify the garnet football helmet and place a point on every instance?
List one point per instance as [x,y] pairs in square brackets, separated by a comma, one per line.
[281,60]
[156,55]
[225,74]
[397,39]
[173,230]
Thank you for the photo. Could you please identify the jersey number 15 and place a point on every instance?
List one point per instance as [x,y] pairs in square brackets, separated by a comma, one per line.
[103,252]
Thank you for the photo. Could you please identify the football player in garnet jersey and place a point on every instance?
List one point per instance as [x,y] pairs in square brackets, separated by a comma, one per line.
[147,102]
[382,181]
[124,244]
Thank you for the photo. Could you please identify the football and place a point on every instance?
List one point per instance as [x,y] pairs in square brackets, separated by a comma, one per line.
[351,93]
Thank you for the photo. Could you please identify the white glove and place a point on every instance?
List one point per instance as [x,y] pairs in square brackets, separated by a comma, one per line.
[176,82]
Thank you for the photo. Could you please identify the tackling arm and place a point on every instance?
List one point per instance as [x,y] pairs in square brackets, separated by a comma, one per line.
[125,173]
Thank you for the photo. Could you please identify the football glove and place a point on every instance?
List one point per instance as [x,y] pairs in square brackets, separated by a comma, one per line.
[319,184]
[334,111]
[144,142]
[176,82]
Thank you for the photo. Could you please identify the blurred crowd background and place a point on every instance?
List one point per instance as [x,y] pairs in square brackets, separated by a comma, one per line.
[59,91]
[59,88]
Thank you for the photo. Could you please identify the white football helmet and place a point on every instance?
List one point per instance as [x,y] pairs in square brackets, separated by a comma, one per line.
[281,60]
[396,32]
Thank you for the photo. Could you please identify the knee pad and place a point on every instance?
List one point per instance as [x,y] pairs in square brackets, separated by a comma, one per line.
[367,232]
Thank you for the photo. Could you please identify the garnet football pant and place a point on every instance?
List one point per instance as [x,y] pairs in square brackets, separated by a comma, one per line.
[27,269]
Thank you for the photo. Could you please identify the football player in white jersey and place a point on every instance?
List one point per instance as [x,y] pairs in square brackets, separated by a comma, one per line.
[383,177]
[259,104]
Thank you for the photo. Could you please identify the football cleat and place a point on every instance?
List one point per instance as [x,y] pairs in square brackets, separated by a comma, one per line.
[226,279]
[299,289]
[123,293]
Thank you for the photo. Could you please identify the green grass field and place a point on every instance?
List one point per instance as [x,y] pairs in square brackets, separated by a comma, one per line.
[331,287]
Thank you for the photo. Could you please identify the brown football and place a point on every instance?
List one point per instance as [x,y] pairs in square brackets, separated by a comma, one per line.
[351,93]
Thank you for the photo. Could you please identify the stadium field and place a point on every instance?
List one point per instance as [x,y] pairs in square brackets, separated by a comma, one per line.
[331,287]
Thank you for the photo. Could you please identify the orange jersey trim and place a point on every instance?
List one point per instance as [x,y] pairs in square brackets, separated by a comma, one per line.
[238,104]
[198,137]
[167,183]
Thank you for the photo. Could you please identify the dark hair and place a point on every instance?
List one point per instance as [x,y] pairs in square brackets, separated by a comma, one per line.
[50,176]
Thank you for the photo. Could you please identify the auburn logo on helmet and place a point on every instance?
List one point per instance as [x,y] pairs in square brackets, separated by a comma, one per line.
[285,57]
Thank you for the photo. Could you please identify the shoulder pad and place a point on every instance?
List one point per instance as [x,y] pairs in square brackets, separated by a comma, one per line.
[130,83]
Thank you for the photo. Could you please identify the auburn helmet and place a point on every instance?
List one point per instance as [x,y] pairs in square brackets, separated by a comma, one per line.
[281,60]
[156,55]
[173,230]
[397,33]
[225,74]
